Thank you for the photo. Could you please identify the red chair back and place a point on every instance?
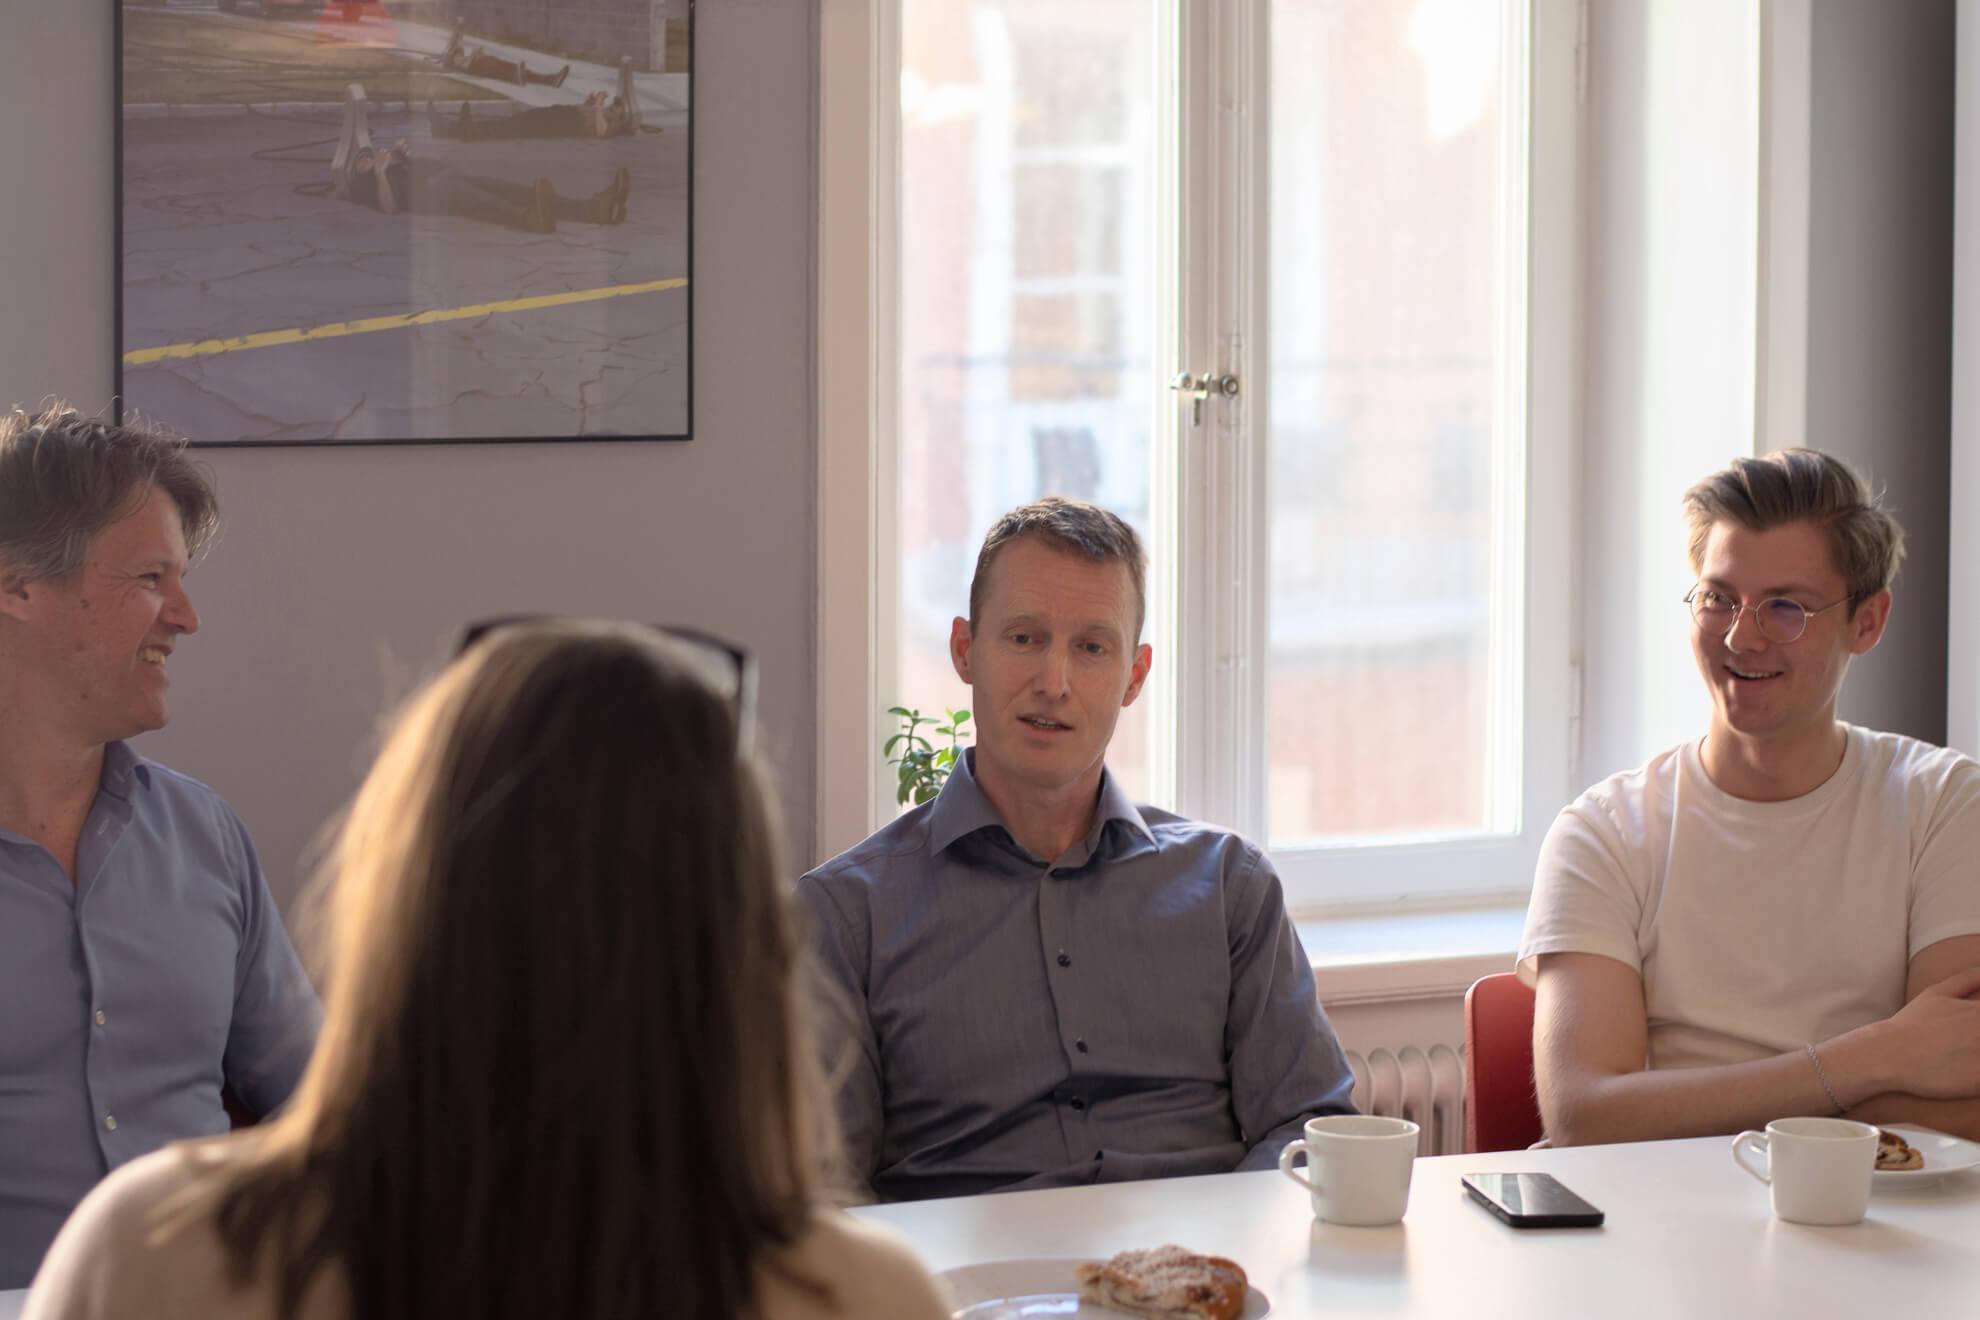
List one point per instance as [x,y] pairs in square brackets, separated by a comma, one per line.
[1500,1111]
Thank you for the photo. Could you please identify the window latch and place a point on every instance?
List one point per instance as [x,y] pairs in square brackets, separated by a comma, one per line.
[1199,388]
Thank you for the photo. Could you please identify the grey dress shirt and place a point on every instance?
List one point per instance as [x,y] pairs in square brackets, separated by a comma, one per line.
[1139,1007]
[129,997]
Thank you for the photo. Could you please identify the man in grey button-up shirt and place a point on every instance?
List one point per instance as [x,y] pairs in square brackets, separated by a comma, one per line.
[1043,984]
[143,966]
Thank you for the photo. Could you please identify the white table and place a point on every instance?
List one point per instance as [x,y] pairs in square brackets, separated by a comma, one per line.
[11,1302]
[1688,1235]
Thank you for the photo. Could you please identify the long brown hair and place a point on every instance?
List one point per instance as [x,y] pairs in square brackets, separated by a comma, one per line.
[562,1070]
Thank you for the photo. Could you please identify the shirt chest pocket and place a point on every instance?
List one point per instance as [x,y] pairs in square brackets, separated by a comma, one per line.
[164,979]
[1157,997]
[967,1011]
[44,986]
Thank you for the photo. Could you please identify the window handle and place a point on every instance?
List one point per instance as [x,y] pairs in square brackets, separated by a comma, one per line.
[1202,387]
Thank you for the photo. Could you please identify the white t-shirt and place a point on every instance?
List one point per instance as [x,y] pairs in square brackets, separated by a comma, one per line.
[106,1266]
[1758,927]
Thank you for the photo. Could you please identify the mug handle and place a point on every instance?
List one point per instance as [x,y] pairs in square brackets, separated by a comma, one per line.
[1750,1139]
[1286,1163]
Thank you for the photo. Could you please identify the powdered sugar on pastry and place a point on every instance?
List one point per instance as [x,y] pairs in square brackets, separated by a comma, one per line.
[1165,1283]
[1895,1154]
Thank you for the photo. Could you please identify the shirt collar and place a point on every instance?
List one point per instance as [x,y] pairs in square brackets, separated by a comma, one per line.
[961,808]
[121,768]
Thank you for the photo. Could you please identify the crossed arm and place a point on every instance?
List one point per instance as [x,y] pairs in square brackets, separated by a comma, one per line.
[1591,1033]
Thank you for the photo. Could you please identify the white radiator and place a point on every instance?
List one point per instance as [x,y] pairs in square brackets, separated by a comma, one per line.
[1424,1085]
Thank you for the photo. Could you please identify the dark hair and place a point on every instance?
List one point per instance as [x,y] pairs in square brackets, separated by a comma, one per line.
[65,477]
[1084,529]
[562,1068]
[1866,543]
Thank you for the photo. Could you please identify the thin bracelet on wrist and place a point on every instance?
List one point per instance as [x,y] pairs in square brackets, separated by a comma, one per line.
[1822,1076]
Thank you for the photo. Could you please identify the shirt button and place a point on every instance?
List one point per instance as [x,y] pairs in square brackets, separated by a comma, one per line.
[1080,1044]
[1078,1103]
[1065,959]
[110,1122]
[101,1017]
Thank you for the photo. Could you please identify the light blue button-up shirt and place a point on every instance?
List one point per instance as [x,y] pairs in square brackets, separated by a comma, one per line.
[1138,1007]
[128,998]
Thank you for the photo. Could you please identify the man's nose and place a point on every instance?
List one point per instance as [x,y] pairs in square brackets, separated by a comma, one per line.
[1745,634]
[179,614]
[1053,669]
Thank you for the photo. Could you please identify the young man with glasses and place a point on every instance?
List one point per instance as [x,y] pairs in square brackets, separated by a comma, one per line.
[1044,984]
[1782,917]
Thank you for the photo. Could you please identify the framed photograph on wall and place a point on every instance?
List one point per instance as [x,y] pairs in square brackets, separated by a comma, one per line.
[405,221]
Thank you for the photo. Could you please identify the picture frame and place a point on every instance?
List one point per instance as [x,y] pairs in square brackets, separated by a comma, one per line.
[405,221]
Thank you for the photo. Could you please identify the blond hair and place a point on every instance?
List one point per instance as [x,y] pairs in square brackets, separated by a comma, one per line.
[1866,544]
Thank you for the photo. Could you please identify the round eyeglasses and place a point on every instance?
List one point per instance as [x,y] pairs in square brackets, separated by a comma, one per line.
[1780,619]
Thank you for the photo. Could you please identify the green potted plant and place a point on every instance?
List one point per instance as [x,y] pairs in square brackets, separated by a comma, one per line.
[923,766]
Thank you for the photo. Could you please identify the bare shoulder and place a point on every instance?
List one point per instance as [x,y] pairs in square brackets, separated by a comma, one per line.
[845,1268]
[121,1207]
[107,1260]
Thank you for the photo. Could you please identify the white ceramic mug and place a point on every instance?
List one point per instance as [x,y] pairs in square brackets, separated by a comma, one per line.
[1817,1168]
[1359,1167]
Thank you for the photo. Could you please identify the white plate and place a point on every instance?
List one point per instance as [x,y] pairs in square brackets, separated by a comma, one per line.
[1943,1155]
[1040,1286]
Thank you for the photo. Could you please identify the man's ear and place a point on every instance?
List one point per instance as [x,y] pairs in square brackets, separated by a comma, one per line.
[1144,656]
[961,638]
[15,596]
[1866,626]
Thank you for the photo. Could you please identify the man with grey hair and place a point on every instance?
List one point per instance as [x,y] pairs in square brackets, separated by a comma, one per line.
[1040,983]
[143,964]
[1783,916]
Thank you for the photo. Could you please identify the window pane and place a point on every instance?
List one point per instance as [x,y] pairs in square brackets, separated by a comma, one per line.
[1027,296]
[1387,232]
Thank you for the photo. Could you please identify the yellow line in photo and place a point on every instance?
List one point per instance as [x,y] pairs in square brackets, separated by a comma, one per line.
[138,357]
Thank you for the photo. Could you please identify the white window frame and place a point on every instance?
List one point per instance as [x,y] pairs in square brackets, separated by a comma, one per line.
[1226,541]
[1217,488]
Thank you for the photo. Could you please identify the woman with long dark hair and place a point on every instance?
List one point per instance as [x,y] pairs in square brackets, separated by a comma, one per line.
[563,1070]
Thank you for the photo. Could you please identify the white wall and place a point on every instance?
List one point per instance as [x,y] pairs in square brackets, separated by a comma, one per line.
[340,572]
[1963,594]
[1678,223]
[1880,313]
[1671,138]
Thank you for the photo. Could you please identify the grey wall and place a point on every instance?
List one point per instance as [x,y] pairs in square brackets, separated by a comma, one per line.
[1880,312]
[341,573]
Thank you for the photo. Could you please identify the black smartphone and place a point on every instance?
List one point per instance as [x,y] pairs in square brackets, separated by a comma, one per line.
[1531,1200]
